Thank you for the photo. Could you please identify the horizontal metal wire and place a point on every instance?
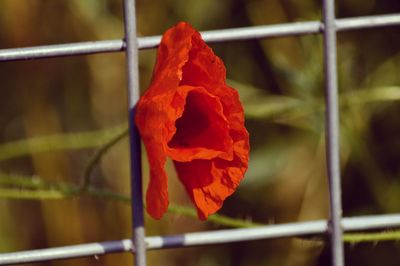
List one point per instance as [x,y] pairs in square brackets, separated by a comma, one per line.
[201,238]
[234,34]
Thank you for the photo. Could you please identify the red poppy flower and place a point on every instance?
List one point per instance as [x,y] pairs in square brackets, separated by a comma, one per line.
[190,115]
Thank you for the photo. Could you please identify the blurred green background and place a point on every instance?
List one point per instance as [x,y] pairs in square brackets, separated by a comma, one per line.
[280,81]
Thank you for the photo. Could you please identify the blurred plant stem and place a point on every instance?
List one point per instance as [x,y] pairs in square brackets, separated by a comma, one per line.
[25,187]
[32,189]
[375,237]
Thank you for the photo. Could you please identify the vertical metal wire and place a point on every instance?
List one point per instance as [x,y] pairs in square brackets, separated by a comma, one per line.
[136,169]
[332,133]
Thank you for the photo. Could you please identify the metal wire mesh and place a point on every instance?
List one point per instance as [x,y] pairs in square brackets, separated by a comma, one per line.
[140,243]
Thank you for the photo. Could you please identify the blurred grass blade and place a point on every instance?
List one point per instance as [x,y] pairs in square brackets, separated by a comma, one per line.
[67,141]
[264,106]
[366,96]
[274,106]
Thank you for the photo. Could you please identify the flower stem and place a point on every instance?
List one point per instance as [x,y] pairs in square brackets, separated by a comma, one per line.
[39,194]
[354,238]
[35,189]
[97,156]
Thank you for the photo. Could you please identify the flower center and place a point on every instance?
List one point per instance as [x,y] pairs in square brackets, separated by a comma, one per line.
[202,132]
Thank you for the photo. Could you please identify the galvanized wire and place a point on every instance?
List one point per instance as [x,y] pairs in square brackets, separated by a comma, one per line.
[234,34]
[135,148]
[201,238]
[332,133]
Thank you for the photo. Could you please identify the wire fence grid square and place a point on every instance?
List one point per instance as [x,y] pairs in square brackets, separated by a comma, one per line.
[140,243]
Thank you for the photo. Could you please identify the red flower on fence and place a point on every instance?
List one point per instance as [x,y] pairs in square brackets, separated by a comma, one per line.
[190,115]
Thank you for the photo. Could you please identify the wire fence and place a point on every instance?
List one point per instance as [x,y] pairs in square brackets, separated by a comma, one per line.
[335,226]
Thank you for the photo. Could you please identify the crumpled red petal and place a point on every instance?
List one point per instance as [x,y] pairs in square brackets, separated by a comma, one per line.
[190,115]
